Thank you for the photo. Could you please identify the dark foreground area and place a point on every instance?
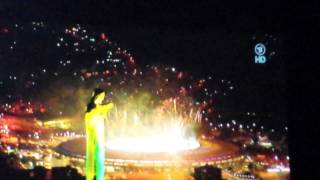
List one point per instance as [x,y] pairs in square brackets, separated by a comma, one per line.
[8,164]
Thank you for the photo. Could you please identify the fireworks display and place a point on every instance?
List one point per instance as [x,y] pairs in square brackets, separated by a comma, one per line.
[158,108]
[146,95]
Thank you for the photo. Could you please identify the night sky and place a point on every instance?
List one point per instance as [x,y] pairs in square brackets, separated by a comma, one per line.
[182,34]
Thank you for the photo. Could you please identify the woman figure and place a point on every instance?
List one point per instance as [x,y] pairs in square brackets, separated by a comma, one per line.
[94,122]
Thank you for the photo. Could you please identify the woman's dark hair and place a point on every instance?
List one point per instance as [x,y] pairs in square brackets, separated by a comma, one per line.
[91,104]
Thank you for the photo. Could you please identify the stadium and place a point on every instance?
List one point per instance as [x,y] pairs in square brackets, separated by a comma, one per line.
[211,153]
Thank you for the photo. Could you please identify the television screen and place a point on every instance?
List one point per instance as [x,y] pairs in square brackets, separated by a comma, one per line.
[81,99]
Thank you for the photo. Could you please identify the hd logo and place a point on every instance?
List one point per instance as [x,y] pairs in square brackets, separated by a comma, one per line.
[260,50]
